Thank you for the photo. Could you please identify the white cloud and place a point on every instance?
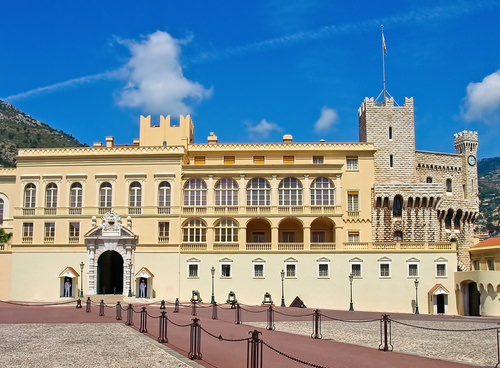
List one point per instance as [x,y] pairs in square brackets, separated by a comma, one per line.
[155,82]
[482,102]
[262,129]
[326,120]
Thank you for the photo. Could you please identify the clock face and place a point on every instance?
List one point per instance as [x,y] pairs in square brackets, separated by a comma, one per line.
[471,160]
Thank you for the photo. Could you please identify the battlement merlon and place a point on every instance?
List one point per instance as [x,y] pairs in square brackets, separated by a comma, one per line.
[166,134]
[388,102]
[466,142]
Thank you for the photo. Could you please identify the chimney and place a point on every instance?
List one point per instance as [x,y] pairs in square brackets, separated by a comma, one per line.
[110,141]
[287,138]
[212,138]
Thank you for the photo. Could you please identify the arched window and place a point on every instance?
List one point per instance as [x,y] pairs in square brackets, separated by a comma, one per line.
[449,188]
[448,219]
[398,236]
[194,231]
[397,206]
[164,197]
[290,192]
[29,196]
[51,196]
[428,180]
[226,231]
[1,210]
[258,192]
[226,192]
[458,219]
[105,195]
[322,192]
[135,198]
[75,196]
[195,193]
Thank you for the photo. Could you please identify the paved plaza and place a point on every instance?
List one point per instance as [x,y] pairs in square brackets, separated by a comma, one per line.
[60,335]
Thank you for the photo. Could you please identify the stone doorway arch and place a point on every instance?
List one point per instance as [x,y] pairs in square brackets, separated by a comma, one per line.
[110,273]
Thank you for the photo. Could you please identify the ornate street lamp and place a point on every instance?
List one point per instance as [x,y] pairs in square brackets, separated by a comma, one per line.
[81,279]
[129,279]
[282,288]
[212,271]
[416,296]
[351,277]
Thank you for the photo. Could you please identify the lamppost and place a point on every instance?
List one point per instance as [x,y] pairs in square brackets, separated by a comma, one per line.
[212,271]
[282,288]
[416,296]
[81,279]
[351,277]
[129,279]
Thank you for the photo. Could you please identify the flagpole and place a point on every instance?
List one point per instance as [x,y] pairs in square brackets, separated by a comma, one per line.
[383,61]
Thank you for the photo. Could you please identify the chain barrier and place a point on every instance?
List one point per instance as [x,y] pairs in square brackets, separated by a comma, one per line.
[144,320]
[214,310]
[444,329]
[237,314]
[130,316]
[193,308]
[251,311]
[270,318]
[162,328]
[316,334]
[351,320]
[118,311]
[385,334]
[254,350]
[195,340]
[291,357]
[220,338]
[294,315]
[178,325]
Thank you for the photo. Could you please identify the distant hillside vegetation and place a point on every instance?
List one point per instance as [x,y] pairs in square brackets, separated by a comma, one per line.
[489,194]
[18,130]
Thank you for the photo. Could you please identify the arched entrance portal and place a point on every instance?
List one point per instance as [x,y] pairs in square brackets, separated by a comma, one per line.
[474,299]
[110,273]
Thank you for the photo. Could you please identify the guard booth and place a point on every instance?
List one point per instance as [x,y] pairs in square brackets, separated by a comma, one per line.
[70,276]
[144,276]
[438,299]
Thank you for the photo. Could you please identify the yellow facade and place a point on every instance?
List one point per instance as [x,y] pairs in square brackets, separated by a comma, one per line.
[166,210]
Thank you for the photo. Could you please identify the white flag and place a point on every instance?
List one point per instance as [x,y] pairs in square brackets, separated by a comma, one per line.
[384,47]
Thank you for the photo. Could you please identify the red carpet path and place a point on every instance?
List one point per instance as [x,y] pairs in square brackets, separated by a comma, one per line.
[223,354]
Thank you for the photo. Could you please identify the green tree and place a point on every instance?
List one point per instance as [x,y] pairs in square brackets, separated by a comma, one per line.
[4,236]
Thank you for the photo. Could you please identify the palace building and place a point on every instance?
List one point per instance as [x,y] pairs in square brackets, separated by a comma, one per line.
[247,217]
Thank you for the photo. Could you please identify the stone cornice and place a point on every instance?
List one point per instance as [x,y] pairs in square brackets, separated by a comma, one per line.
[100,151]
[354,146]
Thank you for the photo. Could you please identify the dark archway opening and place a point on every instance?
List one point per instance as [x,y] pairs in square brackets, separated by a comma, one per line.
[474,299]
[440,301]
[110,273]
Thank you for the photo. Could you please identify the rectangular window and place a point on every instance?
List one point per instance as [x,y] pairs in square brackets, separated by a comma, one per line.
[490,263]
[163,232]
[323,269]
[476,265]
[199,160]
[291,270]
[258,237]
[352,163]
[441,270]
[413,270]
[288,237]
[391,161]
[353,236]
[318,159]
[225,270]
[356,269]
[50,229]
[258,160]
[318,236]
[352,201]
[288,159]
[27,232]
[385,269]
[74,229]
[229,160]
[258,270]
[193,270]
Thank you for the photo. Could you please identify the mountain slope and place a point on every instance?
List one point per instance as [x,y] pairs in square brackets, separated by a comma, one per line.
[18,130]
[489,194]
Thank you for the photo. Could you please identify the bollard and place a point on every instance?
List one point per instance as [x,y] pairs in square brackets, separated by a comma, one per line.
[237,314]
[176,307]
[193,308]
[385,334]
[88,306]
[78,304]
[101,308]
[195,340]
[118,311]
[162,304]
[270,318]
[254,350]
[130,316]
[316,325]
[214,310]
[162,335]
[144,320]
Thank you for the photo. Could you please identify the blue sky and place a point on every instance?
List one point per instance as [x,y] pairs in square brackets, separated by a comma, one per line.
[253,71]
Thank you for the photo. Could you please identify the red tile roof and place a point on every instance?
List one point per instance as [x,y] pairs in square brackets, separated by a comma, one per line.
[490,242]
